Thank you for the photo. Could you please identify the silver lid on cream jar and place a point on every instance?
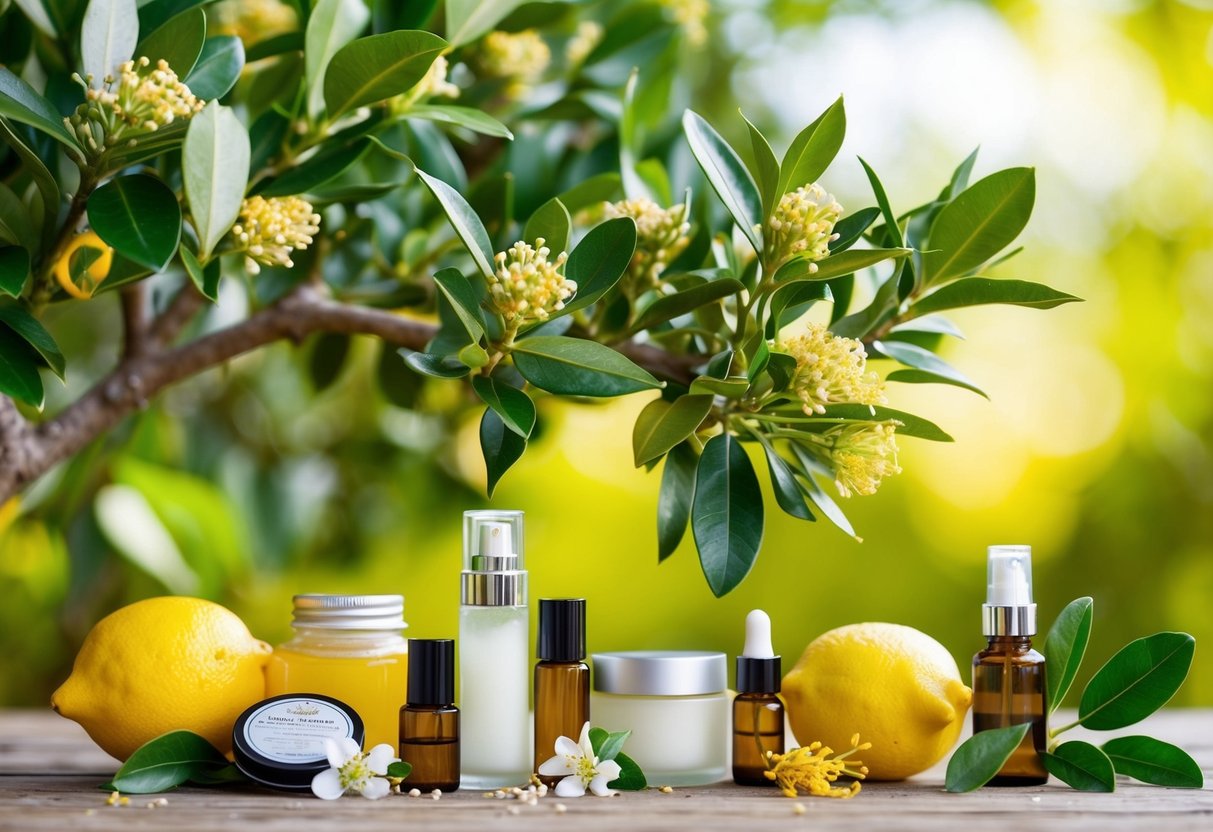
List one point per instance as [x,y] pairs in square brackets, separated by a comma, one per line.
[660,672]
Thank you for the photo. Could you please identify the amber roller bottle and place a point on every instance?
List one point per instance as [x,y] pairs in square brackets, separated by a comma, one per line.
[562,678]
[429,722]
[757,711]
[1009,676]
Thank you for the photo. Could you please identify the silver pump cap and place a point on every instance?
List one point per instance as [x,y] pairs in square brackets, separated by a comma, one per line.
[661,672]
[1009,609]
[349,612]
[493,573]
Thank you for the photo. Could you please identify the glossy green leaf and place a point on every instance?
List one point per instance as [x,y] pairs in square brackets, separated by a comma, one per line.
[373,68]
[928,367]
[458,291]
[733,387]
[680,303]
[316,171]
[500,446]
[1081,766]
[205,279]
[330,26]
[25,325]
[851,228]
[1137,681]
[467,20]
[979,223]
[19,364]
[166,762]
[435,366]
[818,496]
[727,513]
[218,67]
[401,769]
[634,185]
[46,185]
[599,260]
[788,493]
[766,169]
[476,120]
[552,223]
[1065,646]
[813,149]
[464,220]
[674,498]
[14,269]
[512,405]
[980,757]
[662,425]
[1154,761]
[792,300]
[845,262]
[179,42]
[108,35]
[859,324]
[609,746]
[892,229]
[726,174]
[139,216]
[977,291]
[631,777]
[20,102]
[907,423]
[577,367]
[215,161]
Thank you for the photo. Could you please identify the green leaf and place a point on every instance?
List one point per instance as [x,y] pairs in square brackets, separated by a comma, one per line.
[792,300]
[179,42]
[981,756]
[726,174]
[662,425]
[14,269]
[788,493]
[316,171]
[330,26]
[205,279]
[36,12]
[1081,766]
[688,300]
[514,406]
[501,447]
[20,102]
[976,291]
[892,229]
[612,745]
[977,224]
[27,326]
[44,182]
[599,260]
[850,229]
[19,369]
[1065,646]
[907,423]
[107,37]
[817,495]
[634,186]
[215,162]
[674,498]
[767,169]
[373,68]
[631,778]
[577,367]
[467,20]
[458,291]
[1137,681]
[217,68]
[726,516]
[400,769]
[928,367]
[469,117]
[166,762]
[435,366]
[813,149]
[16,225]
[464,220]
[1154,761]
[139,216]
[551,221]
[733,387]
[215,776]
[844,262]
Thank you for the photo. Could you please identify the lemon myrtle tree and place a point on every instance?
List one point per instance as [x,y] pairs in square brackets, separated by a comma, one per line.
[504,195]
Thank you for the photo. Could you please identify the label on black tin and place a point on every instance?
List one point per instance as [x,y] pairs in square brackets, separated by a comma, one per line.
[294,730]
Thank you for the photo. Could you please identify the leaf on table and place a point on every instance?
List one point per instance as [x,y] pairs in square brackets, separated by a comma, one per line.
[1154,761]
[1081,766]
[166,762]
[980,757]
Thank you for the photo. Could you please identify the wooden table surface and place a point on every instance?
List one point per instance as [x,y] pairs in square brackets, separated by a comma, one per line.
[50,770]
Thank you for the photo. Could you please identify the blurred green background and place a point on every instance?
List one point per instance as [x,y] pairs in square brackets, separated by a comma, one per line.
[250,484]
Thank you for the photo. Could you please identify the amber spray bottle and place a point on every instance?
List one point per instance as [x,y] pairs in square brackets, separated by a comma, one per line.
[757,710]
[562,678]
[429,722]
[1009,676]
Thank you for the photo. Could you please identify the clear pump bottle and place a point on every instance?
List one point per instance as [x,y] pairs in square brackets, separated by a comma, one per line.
[1009,676]
[494,652]
[757,712]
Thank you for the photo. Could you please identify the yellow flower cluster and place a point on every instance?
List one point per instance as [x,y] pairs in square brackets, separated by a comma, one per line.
[140,99]
[661,235]
[518,57]
[526,286]
[813,770]
[831,370]
[253,20]
[862,455]
[588,35]
[268,230]
[802,224]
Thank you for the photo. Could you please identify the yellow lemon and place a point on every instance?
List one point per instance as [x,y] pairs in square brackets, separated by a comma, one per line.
[160,665]
[893,685]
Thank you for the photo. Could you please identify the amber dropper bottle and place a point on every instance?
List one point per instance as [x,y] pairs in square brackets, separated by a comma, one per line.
[757,711]
[1009,676]
[562,678]
[429,722]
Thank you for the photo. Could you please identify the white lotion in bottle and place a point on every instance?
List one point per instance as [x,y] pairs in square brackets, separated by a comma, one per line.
[494,653]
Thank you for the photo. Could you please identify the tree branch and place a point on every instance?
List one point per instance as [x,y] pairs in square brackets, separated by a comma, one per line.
[180,311]
[134,319]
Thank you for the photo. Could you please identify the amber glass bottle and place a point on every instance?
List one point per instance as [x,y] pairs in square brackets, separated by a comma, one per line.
[757,712]
[429,723]
[562,678]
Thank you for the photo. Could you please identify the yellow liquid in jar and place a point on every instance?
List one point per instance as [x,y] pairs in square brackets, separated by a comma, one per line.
[374,686]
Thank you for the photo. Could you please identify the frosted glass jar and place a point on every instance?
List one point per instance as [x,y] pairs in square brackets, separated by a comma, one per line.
[675,705]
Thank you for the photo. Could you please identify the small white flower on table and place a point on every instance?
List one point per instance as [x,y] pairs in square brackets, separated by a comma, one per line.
[352,769]
[575,761]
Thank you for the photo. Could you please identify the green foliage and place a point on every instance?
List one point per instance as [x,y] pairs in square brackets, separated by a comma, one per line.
[979,758]
[171,760]
[609,746]
[1065,646]
[1081,766]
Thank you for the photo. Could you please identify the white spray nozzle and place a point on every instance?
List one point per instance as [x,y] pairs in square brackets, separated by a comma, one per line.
[496,540]
[1009,576]
[758,636]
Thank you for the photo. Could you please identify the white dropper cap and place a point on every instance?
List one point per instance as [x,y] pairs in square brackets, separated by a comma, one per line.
[1009,576]
[758,636]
